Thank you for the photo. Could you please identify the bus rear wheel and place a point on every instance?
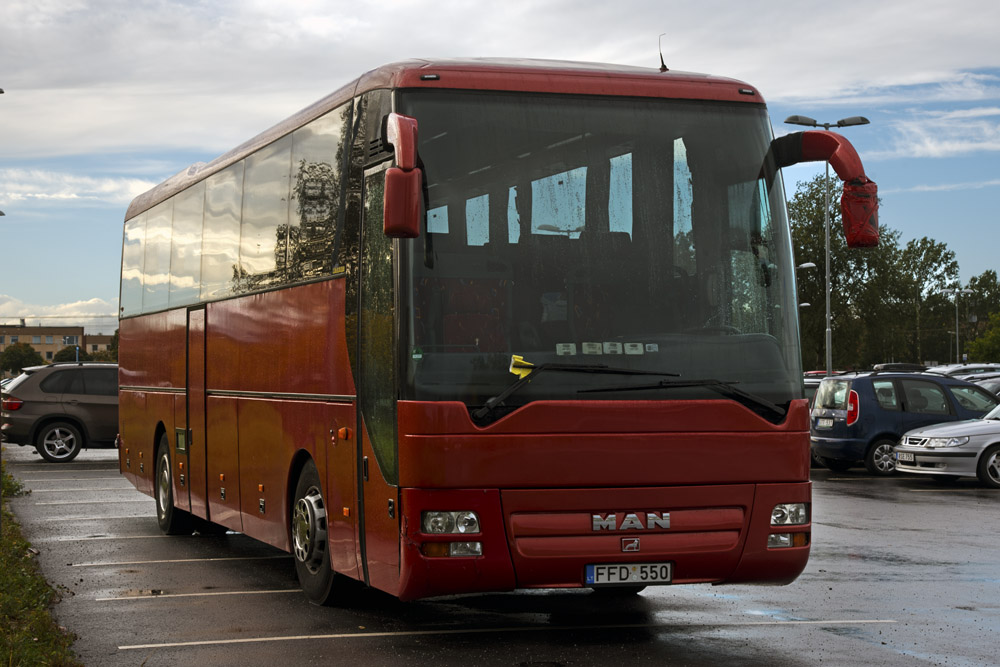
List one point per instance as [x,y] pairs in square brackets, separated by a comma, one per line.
[172,521]
[310,538]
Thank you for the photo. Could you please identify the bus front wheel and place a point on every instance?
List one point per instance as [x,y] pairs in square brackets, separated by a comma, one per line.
[310,538]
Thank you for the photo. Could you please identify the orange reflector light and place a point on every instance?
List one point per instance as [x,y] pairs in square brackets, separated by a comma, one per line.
[344,433]
[180,464]
[222,478]
[260,488]
[435,549]
[347,511]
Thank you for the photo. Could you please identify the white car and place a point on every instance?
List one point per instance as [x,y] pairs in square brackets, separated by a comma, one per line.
[969,448]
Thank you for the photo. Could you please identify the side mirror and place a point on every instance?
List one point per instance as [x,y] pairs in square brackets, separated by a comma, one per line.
[859,202]
[403,183]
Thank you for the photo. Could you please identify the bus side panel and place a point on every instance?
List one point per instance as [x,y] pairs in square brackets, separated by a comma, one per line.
[222,466]
[179,459]
[286,341]
[131,413]
[153,350]
[271,434]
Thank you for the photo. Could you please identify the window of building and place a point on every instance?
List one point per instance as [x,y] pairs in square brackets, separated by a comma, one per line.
[49,340]
[36,340]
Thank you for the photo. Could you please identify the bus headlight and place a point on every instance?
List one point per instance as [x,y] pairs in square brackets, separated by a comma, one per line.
[437,523]
[790,514]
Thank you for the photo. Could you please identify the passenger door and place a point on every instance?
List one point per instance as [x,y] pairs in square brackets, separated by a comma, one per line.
[376,387]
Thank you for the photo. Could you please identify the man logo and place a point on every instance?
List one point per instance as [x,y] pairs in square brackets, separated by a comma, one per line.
[630,544]
[630,521]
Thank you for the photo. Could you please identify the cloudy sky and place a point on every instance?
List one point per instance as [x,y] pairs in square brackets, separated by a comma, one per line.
[106,98]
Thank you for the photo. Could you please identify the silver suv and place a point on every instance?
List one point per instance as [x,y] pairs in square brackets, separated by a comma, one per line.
[61,408]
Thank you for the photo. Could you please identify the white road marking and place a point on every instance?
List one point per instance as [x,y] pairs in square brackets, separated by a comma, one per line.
[102,488]
[97,502]
[179,560]
[198,595]
[472,631]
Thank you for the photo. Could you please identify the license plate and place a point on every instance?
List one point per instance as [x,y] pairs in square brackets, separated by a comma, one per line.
[629,573]
[824,423]
[904,456]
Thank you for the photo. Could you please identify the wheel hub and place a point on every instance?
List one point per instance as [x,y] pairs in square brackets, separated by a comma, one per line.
[309,534]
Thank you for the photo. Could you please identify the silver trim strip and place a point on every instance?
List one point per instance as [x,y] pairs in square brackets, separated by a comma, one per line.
[227,393]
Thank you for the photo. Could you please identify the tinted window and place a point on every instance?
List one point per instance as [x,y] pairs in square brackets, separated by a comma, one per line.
[220,243]
[132,252]
[885,392]
[832,394]
[63,382]
[156,258]
[185,246]
[974,399]
[924,398]
[264,228]
[100,381]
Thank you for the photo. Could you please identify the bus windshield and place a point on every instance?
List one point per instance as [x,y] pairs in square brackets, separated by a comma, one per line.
[636,233]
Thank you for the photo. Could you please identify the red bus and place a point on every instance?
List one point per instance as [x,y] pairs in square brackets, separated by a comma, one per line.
[481,325]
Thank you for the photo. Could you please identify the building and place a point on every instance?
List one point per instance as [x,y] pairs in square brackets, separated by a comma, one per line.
[47,341]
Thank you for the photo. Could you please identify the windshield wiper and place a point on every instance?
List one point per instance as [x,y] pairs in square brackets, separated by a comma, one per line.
[725,388]
[527,372]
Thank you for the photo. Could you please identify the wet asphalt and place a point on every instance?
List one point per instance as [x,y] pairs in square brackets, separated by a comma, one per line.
[903,571]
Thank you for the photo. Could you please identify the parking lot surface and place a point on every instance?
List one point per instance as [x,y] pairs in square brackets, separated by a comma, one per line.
[903,571]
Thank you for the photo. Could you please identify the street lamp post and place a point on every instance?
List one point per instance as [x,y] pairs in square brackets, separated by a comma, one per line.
[843,122]
[956,291]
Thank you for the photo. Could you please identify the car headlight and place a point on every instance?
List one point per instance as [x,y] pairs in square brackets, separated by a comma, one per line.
[948,442]
[450,522]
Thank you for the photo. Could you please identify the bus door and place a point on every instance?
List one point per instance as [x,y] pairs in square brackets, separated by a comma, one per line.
[194,436]
[376,389]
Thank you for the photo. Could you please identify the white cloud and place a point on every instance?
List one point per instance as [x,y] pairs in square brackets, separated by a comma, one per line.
[939,134]
[944,187]
[27,185]
[95,315]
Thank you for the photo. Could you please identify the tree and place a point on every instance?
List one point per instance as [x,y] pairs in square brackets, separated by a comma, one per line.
[70,354]
[931,267]
[18,356]
[987,346]
[866,288]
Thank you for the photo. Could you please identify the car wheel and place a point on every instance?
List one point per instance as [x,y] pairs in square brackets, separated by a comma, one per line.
[173,521]
[879,459]
[836,465]
[59,442]
[310,538]
[988,470]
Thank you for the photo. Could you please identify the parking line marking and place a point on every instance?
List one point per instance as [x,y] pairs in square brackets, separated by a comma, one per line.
[92,518]
[102,537]
[98,502]
[180,560]
[72,479]
[198,595]
[103,488]
[470,631]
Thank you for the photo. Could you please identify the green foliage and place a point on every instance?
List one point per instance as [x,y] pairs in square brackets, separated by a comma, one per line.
[70,354]
[886,302]
[28,635]
[18,356]
[987,345]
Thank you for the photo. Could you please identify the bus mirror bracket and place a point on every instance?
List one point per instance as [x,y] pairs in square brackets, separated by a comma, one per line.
[404,182]
[859,201]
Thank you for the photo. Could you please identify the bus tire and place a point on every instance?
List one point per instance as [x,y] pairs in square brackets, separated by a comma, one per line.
[172,521]
[310,537]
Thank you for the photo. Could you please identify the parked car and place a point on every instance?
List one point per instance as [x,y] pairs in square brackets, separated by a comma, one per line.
[61,408]
[959,449]
[965,370]
[860,418]
[989,382]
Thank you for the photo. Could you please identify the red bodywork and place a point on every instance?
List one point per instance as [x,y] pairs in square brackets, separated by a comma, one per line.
[261,383]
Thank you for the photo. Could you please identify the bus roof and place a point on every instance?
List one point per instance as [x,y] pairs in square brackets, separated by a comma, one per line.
[500,74]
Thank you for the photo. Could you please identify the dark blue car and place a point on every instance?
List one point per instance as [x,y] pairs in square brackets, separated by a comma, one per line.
[859,418]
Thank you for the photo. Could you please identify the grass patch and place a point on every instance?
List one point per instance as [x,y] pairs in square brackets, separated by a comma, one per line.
[28,635]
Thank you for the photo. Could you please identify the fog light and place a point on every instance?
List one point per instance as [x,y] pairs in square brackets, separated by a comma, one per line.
[446,549]
[790,514]
[784,540]
[466,549]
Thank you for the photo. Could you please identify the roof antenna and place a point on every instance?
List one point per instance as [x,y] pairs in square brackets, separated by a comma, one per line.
[663,65]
